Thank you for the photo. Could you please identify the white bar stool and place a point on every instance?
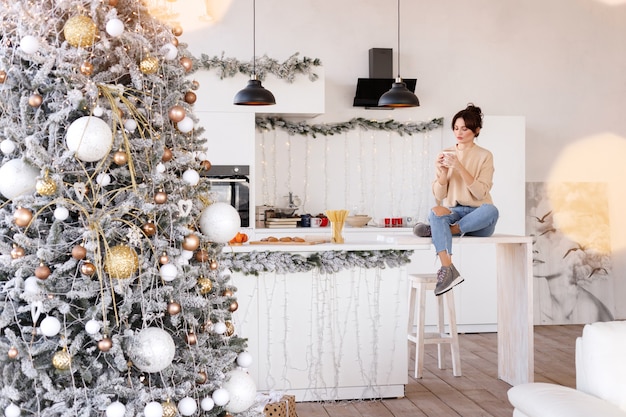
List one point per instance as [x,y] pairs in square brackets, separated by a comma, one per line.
[418,285]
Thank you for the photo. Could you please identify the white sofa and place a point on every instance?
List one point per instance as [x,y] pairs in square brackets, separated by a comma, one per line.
[600,379]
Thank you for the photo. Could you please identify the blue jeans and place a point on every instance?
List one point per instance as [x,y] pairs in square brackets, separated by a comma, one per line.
[472,221]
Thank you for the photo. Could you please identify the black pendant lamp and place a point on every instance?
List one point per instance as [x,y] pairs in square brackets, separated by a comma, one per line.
[254,94]
[399,95]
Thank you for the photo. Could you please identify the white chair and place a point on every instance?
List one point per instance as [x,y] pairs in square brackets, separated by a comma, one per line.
[419,284]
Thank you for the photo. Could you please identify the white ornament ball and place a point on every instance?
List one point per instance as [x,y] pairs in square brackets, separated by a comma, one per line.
[103,179]
[17,178]
[93,326]
[187,406]
[225,273]
[169,51]
[241,391]
[130,125]
[98,111]
[244,359]
[90,137]
[116,409]
[191,177]
[220,397]
[50,326]
[152,350]
[168,272]
[160,168]
[7,146]
[185,125]
[186,254]
[219,328]
[220,222]
[207,404]
[29,44]
[153,409]
[12,410]
[31,286]
[115,27]
[61,213]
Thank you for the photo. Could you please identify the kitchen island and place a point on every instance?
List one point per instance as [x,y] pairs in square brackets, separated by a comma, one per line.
[338,331]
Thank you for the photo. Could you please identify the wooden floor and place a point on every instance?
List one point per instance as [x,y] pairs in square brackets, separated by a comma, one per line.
[477,393]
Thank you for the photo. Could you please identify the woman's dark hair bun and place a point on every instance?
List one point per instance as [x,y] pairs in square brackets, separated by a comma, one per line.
[476,109]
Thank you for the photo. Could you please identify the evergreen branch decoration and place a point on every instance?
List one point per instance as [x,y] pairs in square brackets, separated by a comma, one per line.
[328,262]
[326,129]
[229,67]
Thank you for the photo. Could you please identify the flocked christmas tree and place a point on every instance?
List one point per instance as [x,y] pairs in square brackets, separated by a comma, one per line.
[112,298]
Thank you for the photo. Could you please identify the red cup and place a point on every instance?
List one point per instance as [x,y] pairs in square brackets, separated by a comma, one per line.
[396,222]
[387,222]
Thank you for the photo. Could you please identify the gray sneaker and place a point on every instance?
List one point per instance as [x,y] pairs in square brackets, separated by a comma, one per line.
[422,230]
[447,277]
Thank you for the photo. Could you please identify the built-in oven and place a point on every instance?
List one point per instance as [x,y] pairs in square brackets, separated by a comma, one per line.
[231,184]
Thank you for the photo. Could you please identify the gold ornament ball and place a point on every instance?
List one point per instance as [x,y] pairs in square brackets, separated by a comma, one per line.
[191,242]
[80,31]
[213,265]
[17,252]
[22,217]
[79,252]
[160,197]
[233,306]
[205,164]
[121,262]
[35,100]
[190,97]
[202,377]
[187,63]
[205,285]
[105,344]
[167,155]
[46,186]
[149,228]
[12,353]
[191,338]
[176,113]
[169,409]
[120,158]
[149,65]
[42,271]
[62,360]
[175,42]
[3,76]
[86,68]
[202,255]
[195,84]
[173,308]
[87,268]
[164,259]
[177,30]
[230,328]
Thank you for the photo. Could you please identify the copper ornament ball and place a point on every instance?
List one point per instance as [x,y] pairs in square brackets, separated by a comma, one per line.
[177,30]
[13,352]
[160,197]
[191,242]
[113,3]
[167,155]
[120,158]
[190,97]
[105,344]
[3,76]
[164,259]
[202,377]
[42,271]
[205,164]
[175,42]
[173,308]
[35,100]
[191,338]
[228,293]
[22,217]
[187,63]
[79,252]
[17,252]
[213,265]
[86,68]
[202,255]
[195,84]
[87,268]
[233,306]
[149,228]
[177,113]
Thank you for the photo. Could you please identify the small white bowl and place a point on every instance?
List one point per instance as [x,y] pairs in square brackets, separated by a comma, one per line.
[358,221]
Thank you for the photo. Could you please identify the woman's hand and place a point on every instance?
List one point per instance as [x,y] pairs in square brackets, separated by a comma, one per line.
[440,162]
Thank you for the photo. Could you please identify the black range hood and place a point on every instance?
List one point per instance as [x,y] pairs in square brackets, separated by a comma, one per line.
[369,90]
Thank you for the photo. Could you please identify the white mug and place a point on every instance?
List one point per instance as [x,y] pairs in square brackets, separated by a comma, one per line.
[316,222]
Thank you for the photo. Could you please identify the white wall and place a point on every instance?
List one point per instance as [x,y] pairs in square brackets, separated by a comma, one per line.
[560,64]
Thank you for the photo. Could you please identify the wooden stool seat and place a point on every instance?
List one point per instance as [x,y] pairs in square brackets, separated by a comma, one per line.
[418,285]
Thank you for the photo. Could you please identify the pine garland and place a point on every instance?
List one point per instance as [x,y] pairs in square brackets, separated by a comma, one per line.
[326,129]
[229,67]
[328,262]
